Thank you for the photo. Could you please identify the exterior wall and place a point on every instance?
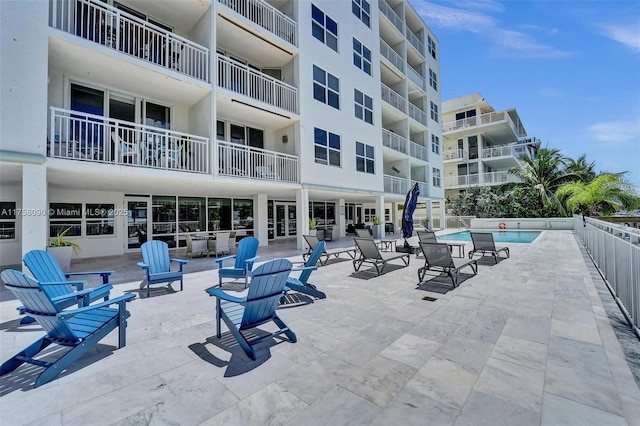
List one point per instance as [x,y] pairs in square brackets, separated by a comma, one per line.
[514,224]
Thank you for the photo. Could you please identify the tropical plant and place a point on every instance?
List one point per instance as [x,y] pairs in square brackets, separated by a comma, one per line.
[312,223]
[585,171]
[60,241]
[605,194]
[376,220]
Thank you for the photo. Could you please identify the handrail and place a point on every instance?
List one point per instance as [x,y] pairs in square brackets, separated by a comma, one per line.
[255,163]
[418,151]
[394,141]
[479,120]
[395,185]
[417,114]
[391,55]
[415,41]
[423,186]
[416,77]
[455,154]
[266,16]
[392,97]
[513,150]
[391,15]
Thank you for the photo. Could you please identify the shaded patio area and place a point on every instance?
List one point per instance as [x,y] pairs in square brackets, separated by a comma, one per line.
[527,341]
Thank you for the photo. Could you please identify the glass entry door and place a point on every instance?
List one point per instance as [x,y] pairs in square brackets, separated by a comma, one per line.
[138,214]
[286,224]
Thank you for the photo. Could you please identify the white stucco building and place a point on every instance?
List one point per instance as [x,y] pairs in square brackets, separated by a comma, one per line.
[123,121]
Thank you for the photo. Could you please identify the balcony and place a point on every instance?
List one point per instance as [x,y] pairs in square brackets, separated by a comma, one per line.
[458,181]
[483,120]
[415,42]
[394,98]
[117,30]
[394,141]
[513,150]
[391,15]
[415,76]
[392,56]
[490,178]
[498,178]
[88,137]
[395,185]
[240,78]
[266,16]
[423,187]
[455,155]
[241,161]
[418,151]
[417,114]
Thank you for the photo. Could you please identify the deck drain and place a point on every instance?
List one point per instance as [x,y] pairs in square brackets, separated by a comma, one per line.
[429,299]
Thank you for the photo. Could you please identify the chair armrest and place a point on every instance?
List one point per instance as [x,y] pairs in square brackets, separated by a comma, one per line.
[180,261]
[79,284]
[118,300]
[305,268]
[221,294]
[143,265]
[222,259]
[104,274]
[75,295]
[253,259]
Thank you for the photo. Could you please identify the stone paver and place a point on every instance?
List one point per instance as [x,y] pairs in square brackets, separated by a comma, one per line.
[526,341]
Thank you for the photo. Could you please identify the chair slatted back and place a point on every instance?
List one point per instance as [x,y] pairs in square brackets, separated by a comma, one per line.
[265,290]
[155,253]
[37,304]
[437,254]
[45,268]
[312,261]
[427,236]
[312,241]
[483,241]
[368,248]
[247,248]
[363,233]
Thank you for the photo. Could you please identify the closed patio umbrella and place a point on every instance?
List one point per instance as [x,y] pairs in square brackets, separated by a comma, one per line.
[407,217]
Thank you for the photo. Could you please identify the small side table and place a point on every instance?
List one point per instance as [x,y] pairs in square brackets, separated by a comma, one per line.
[388,244]
[460,247]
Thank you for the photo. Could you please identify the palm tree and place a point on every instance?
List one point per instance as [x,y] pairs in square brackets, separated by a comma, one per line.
[606,194]
[581,168]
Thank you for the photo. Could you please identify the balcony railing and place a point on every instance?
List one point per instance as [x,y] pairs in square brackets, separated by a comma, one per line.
[415,77]
[498,178]
[395,185]
[87,137]
[266,16]
[423,187]
[464,180]
[394,141]
[456,154]
[254,163]
[240,78]
[418,151]
[117,30]
[391,14]
[394,98]
[391,55]
[417,114]
[415,41]
[480,120]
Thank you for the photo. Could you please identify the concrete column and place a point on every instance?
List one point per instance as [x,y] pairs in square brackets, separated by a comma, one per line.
[341,218]
[380,211]
[35,206]
[302,215]
[260,218]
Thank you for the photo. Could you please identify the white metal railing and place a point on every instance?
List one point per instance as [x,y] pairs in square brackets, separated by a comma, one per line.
[240,78]
[415,41]
[615,249]
[511,150]
[394,141]
[266,16]
[255,163]
[392,97]
[395,185]
[118,30]
[480,120]
[456,154]
[415,77]
[418,151]
[391,55]
[498,177]
[87,137]
[458,221]
[423,186]
[391,15]
[417,114]
[463,180]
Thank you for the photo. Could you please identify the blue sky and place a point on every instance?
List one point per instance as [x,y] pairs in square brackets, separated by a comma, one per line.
[570,68]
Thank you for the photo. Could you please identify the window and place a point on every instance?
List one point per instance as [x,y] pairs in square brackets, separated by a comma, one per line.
[433,79]
[327,147]
[324,28]
[436,177]
[99,219]
[465,114]
[435,144]
[434,111]
[219,215]
[65,217]
[432,47]
[323,213]
[369,214]
[7,220]
[473,147]
[363,106]
[361,9]
[365,158]
[242,214]
[326,87]
[361,56]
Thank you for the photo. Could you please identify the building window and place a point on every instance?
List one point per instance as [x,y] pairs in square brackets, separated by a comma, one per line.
[436,177]
[434,111]
[242,214]
[369,214]
[327,147]
[326,87]
[100,219]
[361,9]
[435,144]
[433,79]
[361,56]
[323,213]
[7,220]
[363,106]
[324,28]
[432,47]
[65,218]
[365,158]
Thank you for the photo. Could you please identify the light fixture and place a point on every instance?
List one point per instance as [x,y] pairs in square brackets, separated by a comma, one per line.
[285,139]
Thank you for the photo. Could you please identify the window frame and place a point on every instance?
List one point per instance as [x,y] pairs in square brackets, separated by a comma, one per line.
[433,79]
[435,144]
[362,106]
[8,216]
[358,9]
[368,161]
[326,146]
[327,33]
[359,56]
[436,177]
[432,47]
[325,87]
[434,111]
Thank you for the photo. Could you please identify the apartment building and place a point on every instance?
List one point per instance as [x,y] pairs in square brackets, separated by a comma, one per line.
[124,121]
[481,144]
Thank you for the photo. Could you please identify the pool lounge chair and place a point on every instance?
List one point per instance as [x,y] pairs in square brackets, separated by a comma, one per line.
[312,242]
[437,257]
[483,243]
[370,253]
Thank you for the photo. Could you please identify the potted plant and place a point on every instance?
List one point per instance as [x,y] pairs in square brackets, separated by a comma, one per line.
[425,223]
[63,249]
[377,227]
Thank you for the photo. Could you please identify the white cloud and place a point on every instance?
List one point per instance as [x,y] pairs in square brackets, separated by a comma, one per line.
[456,19]
[480,5]
[551,92]
[523,45]
[615,132]
[627,35]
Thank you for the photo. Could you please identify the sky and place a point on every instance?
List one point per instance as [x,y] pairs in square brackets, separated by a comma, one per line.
[570,68]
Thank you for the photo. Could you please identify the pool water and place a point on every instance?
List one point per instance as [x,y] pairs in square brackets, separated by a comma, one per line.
[498,236]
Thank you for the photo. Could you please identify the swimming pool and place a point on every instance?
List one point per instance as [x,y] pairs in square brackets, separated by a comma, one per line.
[498,236]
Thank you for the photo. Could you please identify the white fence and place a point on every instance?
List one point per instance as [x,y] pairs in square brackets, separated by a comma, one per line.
[392,56]
[255,163]
[394,98]
[615,249]
[395,185]
[394,141]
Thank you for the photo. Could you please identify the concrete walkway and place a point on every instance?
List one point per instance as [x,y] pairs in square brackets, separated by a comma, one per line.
[525,342]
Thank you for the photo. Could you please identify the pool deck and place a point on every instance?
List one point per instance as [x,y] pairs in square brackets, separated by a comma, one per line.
[525,342]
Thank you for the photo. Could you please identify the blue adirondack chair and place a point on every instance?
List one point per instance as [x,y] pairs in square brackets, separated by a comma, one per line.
[257,308]
[157,264]
[79,329]
[45,268]
[301,283]
[244,258]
